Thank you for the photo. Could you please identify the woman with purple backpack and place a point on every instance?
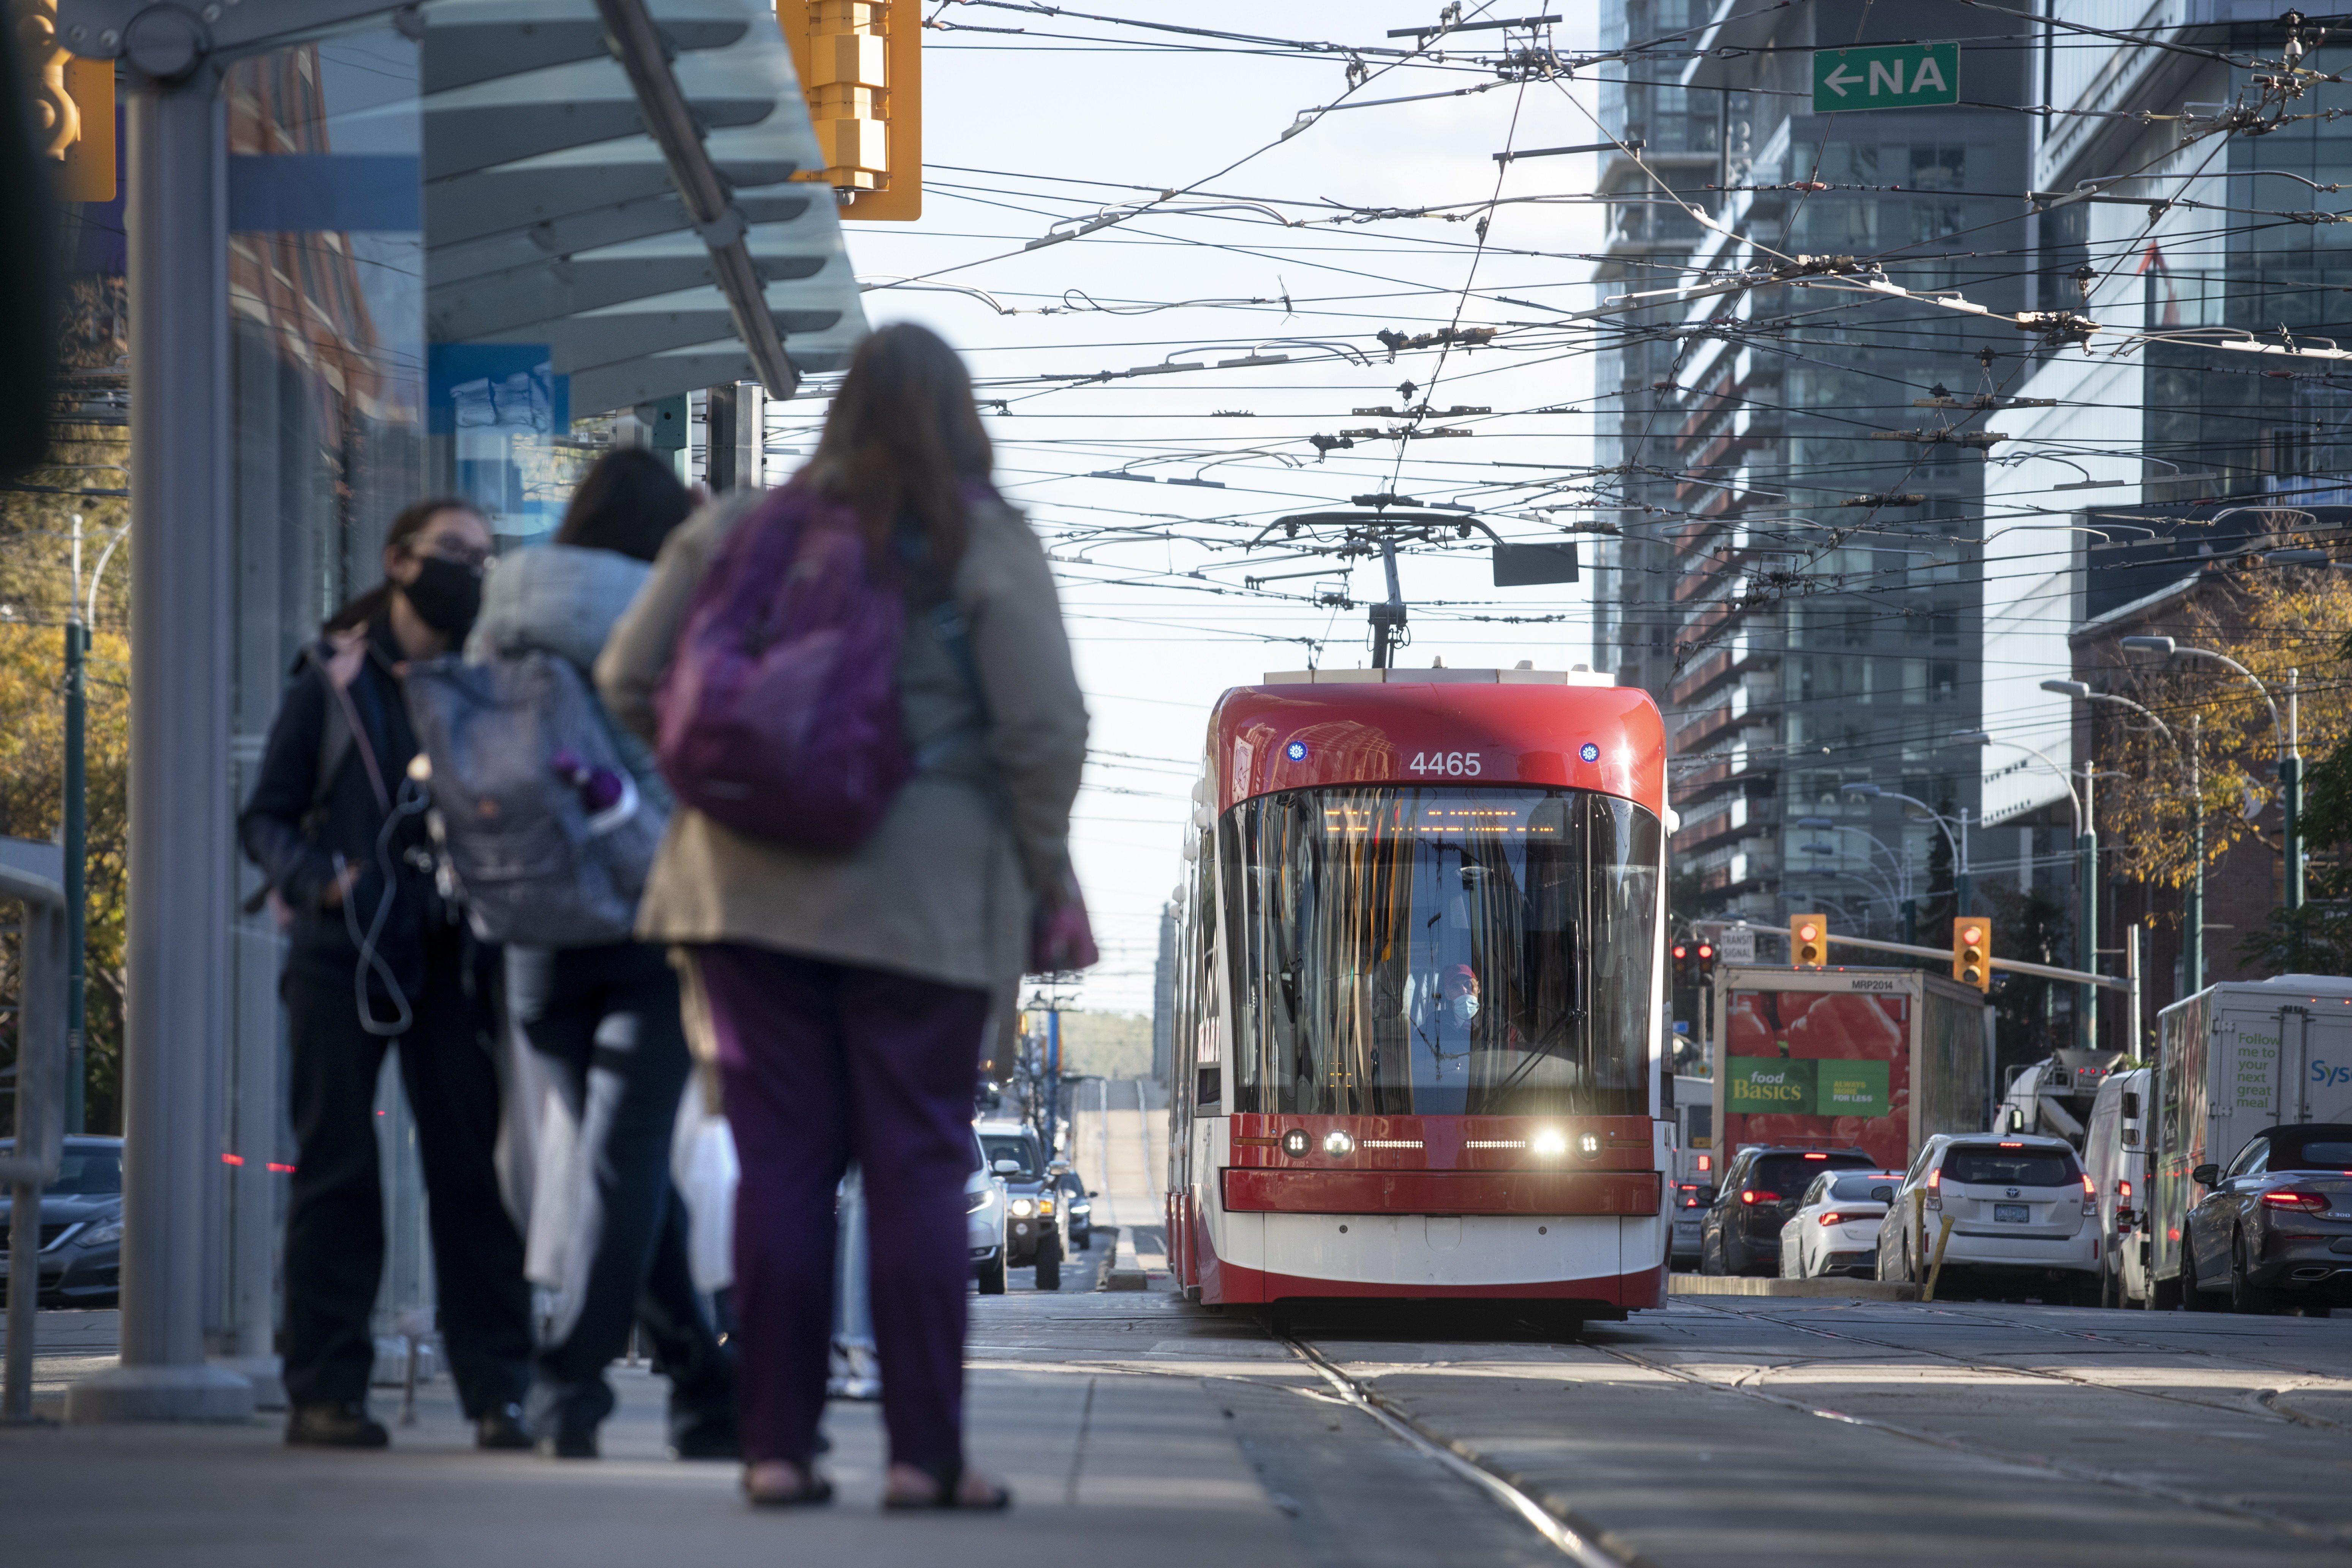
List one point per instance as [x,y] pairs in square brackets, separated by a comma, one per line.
[864,698]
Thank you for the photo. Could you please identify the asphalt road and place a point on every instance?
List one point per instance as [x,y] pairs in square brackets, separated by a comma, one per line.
[1757,1431]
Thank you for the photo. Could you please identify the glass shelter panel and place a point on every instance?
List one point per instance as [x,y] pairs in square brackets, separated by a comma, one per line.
[1441,951]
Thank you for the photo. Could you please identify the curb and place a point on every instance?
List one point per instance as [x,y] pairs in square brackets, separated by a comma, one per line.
[1832,1289]
[1125,1272]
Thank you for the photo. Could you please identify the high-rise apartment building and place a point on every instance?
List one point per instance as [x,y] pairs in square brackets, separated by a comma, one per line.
[1799,577]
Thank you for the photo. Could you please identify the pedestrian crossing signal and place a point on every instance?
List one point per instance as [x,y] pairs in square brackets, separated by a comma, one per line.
[1808,942]
[1972,952]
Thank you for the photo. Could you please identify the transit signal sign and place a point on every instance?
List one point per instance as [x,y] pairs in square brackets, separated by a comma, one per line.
[1886,76]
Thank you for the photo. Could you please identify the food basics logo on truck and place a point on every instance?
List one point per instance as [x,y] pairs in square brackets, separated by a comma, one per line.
[1763,1085]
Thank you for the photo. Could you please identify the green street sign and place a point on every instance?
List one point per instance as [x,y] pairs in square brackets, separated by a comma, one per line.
[1886,76]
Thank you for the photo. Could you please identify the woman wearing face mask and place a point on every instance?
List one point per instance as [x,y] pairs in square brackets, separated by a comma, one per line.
[375,959]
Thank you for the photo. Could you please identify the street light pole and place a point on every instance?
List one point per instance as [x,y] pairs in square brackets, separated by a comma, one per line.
[2290,765]
[2192,939]
[75,835]
[2086,851]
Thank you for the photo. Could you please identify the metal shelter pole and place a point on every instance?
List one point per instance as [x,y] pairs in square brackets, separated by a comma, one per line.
[176,935]
[2291,789]
[77,846]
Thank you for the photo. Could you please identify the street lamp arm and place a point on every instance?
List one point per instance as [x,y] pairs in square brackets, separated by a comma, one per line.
[2074,795]
[2166,730]
[2278,726]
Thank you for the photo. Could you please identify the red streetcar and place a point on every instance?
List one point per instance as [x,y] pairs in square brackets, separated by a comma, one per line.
[1420,995]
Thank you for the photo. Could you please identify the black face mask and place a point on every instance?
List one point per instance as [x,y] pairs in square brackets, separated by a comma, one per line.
[445,594]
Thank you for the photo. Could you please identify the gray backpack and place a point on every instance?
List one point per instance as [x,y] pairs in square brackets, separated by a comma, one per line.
[539,826]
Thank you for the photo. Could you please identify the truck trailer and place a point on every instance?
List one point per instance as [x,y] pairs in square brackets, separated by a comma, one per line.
[2231,1060]
[1847,1058]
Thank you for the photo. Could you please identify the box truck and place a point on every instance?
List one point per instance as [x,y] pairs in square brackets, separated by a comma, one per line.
[2231,1060]
[1845,1058]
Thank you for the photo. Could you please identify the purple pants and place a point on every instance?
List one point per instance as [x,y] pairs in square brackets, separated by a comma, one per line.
[822,1064]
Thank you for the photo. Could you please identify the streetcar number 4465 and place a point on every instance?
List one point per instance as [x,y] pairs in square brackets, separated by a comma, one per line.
[1453,764]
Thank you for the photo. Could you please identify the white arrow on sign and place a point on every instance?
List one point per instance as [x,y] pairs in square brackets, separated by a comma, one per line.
[1838,80]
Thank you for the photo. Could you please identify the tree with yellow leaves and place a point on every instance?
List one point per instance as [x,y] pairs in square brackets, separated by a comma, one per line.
[2288,627]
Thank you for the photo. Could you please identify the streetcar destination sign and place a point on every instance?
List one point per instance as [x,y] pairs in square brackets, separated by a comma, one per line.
[1886,76]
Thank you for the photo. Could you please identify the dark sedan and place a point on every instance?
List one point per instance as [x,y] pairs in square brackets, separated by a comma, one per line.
[81,1226]
[1741,1232]
[2275,1228]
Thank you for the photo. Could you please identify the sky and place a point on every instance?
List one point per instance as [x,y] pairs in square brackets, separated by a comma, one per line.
[1031,133]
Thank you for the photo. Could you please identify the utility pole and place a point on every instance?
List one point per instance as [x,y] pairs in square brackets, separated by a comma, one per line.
[76,834]
[1961,885]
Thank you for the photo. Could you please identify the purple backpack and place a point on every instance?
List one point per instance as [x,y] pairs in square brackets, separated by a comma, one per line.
[779,715]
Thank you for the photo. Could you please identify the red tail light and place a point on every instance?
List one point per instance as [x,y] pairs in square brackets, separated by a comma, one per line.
[1752,1196]
[2088,1190]
[1936,1179]
[2123,1188]
[2296,1199]
[1706,1162]
[1832,1218]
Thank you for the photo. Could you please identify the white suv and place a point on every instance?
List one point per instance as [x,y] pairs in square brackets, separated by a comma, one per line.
[2024,1219]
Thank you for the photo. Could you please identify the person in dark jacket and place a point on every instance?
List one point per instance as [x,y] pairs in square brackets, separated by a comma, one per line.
[375,959]
[605,1018]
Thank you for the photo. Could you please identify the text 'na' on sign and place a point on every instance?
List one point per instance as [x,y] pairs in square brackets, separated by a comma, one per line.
[1886,76]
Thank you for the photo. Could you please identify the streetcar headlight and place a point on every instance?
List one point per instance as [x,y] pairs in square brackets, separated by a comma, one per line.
[1337,1143]
[1589,1145]
[1549,1143]
[1293,1142]
[1023,1207]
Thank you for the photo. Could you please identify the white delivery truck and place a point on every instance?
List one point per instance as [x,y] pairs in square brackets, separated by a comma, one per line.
[2115,1156]
[1695,1164]
[2231,1060]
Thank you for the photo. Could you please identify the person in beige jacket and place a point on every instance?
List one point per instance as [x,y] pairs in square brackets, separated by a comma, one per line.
[848,994]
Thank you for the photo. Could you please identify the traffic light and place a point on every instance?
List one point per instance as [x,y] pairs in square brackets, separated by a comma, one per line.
[1808,942]
[1972,952]
[861,69]
[1703,962]
[1681,951]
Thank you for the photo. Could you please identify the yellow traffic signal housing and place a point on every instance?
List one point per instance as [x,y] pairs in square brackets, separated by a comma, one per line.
[1808,942]
[90,156]
[1972,952]
[861,69]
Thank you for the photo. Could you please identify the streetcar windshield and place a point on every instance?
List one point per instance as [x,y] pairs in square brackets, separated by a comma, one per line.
[1441,951]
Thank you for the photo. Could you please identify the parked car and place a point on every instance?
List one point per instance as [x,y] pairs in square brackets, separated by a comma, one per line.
[1741,1233]
[2275,1228]
[1033,1234]
[1835,1228]
[80,1260]
[2024,1219]
[984,1220]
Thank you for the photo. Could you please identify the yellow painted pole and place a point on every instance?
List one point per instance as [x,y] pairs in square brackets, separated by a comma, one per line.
[1942,1241]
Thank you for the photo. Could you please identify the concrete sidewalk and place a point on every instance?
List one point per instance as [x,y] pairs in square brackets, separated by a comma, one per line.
[1111,1457]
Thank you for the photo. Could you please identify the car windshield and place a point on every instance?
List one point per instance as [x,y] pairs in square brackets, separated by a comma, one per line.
[1791,1174]
[1877,1188]
[2328,1148]
[84,1171]
[2011,1167]
[1399,950]
[1011,1146]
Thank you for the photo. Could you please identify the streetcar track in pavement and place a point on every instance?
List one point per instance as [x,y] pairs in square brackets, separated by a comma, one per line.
[1576,1540]
[2053,1374]
[2158,1492]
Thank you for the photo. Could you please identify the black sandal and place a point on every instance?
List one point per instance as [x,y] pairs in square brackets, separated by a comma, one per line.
[948,1496]
[812,1490]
